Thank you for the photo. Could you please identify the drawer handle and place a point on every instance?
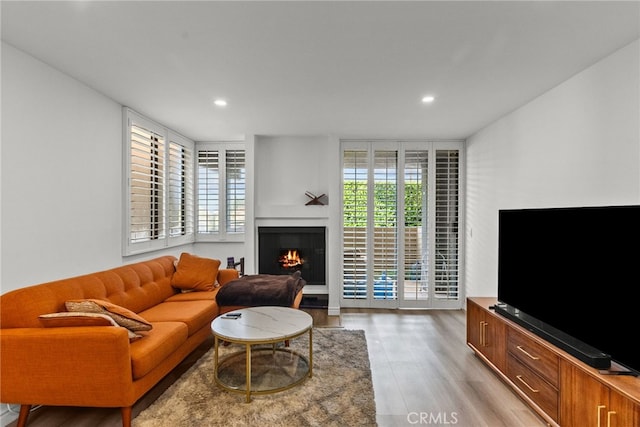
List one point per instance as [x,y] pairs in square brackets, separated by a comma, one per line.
[533,390]
[609,414]
[527,353]
[599,408]
[483,333]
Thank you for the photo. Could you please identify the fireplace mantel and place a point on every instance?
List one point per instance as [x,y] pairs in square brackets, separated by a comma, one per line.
[291,213]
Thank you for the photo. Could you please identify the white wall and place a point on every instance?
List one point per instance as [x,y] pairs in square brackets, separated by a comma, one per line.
[61,175]
[286,167]
[576,145]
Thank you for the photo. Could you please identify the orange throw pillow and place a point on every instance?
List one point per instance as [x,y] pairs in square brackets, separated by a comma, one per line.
[121,315]
[195,273]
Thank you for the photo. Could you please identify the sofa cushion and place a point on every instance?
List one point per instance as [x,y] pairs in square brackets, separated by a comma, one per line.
[195,314]
[194,296]
[194,273]
[121,315]
[157,345]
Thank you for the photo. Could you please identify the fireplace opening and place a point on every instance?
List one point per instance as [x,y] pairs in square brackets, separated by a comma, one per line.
[285,250]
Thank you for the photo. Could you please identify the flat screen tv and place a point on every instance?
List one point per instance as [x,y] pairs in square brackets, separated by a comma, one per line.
[572,276]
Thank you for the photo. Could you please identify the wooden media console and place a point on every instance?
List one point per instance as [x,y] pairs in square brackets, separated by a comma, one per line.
[560,388]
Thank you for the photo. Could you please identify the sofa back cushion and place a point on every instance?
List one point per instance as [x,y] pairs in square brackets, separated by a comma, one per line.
[135,286]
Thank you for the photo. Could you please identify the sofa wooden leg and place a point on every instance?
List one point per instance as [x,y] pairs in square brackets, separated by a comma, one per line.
[126,416]
[24,415]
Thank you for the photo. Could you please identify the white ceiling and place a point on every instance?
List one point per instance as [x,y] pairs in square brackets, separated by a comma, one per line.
[348,68]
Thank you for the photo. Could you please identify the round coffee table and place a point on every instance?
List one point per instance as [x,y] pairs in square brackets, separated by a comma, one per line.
[262,326]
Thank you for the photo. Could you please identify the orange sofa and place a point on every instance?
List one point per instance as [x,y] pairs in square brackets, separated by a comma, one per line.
[101,366]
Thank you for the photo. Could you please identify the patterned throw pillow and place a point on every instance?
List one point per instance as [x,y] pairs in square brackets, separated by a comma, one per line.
[121,315]
[67,319]
[75,319]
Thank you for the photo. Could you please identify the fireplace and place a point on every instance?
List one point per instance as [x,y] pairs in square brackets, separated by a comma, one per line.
[284,250]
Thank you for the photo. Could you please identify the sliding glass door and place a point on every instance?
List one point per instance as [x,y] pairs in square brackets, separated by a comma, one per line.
[401,208]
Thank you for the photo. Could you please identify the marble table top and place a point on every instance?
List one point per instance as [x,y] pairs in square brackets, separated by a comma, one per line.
[262,324]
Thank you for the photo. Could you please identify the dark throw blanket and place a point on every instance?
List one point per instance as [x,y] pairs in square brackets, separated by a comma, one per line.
[260,290]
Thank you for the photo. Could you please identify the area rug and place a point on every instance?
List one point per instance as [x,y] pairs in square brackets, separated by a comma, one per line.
[340,393]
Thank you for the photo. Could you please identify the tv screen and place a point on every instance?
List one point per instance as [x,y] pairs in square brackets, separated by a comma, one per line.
[575,271]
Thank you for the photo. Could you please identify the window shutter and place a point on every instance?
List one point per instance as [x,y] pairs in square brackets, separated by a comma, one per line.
[385,236]
[180,188]
[221,192]
[235,194]
[446,224]
[355,191]
[208,191]
[146,185]
[416,256]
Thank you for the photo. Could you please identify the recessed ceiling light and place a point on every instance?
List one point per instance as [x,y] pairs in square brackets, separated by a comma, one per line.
[220,102]
[428,99]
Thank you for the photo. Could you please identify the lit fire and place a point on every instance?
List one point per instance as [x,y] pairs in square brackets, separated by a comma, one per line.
[290,259]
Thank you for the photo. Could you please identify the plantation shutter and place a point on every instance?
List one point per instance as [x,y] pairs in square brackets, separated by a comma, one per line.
[221,188]
[235,194]
[416,255]
[447,187]
[180,189]
[146,185]
[355,182]
[208,191]
[385,214]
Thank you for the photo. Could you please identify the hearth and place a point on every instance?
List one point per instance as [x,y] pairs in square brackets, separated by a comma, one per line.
[284,250]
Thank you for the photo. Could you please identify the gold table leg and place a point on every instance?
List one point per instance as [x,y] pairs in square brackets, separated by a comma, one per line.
[310,352]
[215,357]
[248,367]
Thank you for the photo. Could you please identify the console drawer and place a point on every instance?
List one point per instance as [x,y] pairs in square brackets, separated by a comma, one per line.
[541,360]
[537,389]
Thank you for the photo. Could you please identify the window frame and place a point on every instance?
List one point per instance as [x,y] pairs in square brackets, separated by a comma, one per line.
[164,239]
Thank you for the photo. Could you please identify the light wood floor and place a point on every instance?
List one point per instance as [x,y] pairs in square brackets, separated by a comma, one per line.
[423,374]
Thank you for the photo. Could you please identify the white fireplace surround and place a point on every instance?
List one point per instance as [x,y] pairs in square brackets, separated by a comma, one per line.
[279,199]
